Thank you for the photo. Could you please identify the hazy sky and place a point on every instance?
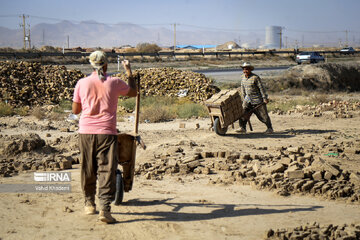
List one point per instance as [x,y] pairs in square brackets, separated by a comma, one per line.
[296,16]
[311,15]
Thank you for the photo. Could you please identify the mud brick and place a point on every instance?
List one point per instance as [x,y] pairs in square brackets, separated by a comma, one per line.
[293,149]
[319,165]
[285,160]
[65,129]
[355,178]
[325,188]
[250,174]
[301,159]
[307,186]
[295,174]
[198,170]
[317,176]
[194,164]
[245,156]
[182,125]
[298,184]
[293,157]
[317,187]
[328,175]
[207,154]
[65,164]
[257,166]
[191,158]
[308,156]
[352,150]
[183,169]
[277,168]
[172,162]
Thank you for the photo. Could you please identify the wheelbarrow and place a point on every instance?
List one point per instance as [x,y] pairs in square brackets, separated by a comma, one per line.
[224,109]
[127,154]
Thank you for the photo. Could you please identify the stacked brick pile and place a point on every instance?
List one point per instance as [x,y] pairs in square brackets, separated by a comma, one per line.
[32,84]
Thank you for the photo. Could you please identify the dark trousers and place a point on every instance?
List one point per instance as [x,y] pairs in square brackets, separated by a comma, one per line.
[260,112]
[98,156]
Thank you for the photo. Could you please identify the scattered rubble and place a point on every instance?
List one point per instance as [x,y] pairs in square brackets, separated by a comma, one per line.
[28,152]
[287,170]
[316,231]
[333,109]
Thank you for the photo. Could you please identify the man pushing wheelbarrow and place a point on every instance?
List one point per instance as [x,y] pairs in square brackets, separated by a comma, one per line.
[254,99]
[96,96]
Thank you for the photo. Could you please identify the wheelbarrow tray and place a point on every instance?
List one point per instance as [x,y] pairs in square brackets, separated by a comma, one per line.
[127,155]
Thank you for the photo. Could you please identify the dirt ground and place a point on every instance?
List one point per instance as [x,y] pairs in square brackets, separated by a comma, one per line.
[185,206]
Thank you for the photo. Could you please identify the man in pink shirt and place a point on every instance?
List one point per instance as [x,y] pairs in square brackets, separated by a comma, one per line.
[96,96]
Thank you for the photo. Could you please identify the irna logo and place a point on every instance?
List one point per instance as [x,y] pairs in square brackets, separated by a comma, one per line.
[52,177]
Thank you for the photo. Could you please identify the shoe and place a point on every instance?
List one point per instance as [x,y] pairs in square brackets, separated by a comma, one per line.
[90,210]
[269,131]
[241,130]
[105,216]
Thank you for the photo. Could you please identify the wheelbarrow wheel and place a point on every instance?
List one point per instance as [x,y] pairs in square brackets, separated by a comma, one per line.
[119,194]
[217,127]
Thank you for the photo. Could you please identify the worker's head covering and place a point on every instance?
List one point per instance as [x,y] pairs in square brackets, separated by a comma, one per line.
[98,60]
[247,65]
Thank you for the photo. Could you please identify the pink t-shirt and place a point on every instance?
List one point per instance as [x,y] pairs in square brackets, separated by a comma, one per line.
[99,99]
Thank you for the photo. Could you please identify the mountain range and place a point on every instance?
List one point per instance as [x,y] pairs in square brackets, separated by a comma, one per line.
[94,34]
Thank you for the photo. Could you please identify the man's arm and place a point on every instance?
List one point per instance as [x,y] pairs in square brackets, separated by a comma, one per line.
[262,90]
[76,108]
[131,82]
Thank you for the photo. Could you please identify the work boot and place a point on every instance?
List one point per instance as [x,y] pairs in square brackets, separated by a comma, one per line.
[105,216]
[241,130]
[90,210]
[269,131]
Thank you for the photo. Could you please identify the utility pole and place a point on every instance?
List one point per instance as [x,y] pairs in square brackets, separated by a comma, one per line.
[286,42]
[346,38]
[68,42]
[23,25]
[174,37]
[29,39]
[43,37]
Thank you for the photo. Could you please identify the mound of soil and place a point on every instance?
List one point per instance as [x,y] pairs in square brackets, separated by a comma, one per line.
[325,77]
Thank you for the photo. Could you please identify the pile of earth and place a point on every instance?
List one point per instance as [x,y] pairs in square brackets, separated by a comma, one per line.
[173,82]
[324,77]
[32,84]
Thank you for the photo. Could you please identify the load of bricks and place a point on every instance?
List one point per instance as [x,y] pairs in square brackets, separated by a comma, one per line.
[227,103]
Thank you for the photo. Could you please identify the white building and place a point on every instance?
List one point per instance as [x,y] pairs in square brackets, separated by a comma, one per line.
[273,37]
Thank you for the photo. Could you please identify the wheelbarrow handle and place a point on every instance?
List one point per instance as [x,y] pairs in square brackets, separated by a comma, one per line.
[137,107]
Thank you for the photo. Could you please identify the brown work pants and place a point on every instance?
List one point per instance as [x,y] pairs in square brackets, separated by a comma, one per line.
[261,113]
[98,156]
